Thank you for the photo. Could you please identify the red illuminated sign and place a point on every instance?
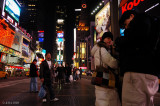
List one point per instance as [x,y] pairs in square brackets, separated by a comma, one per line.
[130,5]
[84,6]
[6,34]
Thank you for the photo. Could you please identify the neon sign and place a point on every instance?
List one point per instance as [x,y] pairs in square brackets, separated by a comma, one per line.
[130,5]
[6,34]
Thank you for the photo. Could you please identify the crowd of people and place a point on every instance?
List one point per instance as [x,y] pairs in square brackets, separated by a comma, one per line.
[50,74]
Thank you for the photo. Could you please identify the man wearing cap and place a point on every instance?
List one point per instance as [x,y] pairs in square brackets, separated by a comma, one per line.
[102,49]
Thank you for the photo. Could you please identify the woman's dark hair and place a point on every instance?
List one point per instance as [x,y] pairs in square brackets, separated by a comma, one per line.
[125,16]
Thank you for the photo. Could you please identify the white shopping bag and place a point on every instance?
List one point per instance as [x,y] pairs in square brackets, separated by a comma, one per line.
[71,78]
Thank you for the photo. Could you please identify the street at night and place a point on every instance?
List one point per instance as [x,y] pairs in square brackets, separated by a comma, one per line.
[80,52]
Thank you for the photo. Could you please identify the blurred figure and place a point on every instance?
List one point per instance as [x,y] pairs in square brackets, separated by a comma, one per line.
[80,75]
[68,72]
[33,75]
[61,72]
[136,49]
[74,74]
[46,76]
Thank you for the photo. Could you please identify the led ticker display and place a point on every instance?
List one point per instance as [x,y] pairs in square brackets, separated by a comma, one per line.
[13,9]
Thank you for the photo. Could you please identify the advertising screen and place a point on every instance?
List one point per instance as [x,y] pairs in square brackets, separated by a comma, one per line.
[41,39]
[17,41]
[60,35]
[13,9]
[40,34]
[103,20]
[6,33]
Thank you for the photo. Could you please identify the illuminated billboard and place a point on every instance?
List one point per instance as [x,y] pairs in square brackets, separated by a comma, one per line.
[40,34]
[13,9]
[60,35]
[41,39]
[6,34]
[103,20]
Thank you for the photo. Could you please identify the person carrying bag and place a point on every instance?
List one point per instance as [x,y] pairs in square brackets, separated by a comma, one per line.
[105,96]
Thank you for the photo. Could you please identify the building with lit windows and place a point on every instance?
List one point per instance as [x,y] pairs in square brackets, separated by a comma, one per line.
[60,33]
[15,51]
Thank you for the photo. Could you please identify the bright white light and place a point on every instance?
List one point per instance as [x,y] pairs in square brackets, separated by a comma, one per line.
[102,1]
[93,11]
[75,35]
[152,7]
[100,4]
[77,9]
[60,21]
[97,7]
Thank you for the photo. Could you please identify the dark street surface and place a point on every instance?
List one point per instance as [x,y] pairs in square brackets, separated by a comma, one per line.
[15,91]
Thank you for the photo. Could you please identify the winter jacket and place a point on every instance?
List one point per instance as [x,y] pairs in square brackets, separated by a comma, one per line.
[107,59]
[33,70]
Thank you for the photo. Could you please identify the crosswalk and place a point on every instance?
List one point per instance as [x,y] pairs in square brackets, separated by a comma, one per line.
[12,83]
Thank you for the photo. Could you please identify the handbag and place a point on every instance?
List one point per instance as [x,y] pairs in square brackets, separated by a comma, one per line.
[42,93]
[100,68]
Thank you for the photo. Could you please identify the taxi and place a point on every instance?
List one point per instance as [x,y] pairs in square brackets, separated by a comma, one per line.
[3,74]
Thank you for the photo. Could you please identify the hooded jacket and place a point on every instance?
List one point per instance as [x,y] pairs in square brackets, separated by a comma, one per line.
[107,59]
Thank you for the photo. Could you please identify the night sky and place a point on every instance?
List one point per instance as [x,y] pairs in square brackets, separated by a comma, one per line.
[47,23]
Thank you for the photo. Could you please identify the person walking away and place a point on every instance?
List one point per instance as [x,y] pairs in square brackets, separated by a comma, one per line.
[74,74]
[46,74]
[104,95]
[60,74]
[33,75]
[137,64]
[80,75]
[68,72]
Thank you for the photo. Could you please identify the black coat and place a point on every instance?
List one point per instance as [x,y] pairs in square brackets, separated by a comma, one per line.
[33,70]
[68,71]
[46,73]
[136,47]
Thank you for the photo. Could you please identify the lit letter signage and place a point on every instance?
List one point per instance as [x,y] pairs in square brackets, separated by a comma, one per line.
[130,5]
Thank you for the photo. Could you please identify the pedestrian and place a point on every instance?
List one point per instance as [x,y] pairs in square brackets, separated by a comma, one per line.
[80,75]
[140,82]
[60,74]
[77,74]
[74,74]
[46,76]
[68,72]
[33,75]
[101,54]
